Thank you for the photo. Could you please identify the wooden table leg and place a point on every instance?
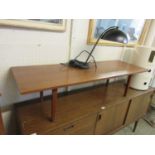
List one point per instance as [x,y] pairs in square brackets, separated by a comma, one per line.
[127,85]
[107,82]
[135,126]
[41,96]
[53,103]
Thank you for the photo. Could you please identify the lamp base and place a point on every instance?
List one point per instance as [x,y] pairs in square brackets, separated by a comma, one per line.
[78,64]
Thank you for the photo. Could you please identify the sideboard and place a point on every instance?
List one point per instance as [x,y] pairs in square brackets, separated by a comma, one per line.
[97,110]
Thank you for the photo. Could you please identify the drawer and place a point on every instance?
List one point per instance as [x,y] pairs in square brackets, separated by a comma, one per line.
[83,126]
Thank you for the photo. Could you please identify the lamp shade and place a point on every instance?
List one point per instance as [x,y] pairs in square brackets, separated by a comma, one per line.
[116,35]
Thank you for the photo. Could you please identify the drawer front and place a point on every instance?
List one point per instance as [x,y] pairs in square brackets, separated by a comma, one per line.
[83,126]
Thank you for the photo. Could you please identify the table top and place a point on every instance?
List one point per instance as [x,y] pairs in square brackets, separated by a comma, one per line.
[42,77]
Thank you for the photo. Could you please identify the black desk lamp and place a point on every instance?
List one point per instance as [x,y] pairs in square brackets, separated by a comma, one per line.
[111,34]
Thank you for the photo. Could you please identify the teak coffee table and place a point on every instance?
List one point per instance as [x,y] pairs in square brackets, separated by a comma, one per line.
[38,78]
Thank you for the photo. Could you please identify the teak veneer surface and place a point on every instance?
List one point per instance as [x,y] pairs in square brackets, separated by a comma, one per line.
[34,117]
[41,77]
[1,123]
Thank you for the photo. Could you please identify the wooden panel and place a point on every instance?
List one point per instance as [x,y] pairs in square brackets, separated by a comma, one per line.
[34,116]
[1,125]
[84,126]
[111,118]
[138,107]
[37,78]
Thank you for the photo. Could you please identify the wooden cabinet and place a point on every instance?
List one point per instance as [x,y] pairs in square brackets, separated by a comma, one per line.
[138,107]
[122,114]
[111,118]
[83,126]
[99,110]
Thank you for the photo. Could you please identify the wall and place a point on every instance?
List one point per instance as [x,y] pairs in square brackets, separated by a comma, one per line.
[20,47]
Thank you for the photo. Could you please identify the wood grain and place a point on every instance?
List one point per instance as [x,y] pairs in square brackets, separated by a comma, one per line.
[1,123]
[42,77]
[83,126]
[111,118]
[74,107]
[138,107]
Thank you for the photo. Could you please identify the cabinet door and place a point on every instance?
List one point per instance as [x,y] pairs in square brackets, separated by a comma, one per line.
[111,118]
[138,107]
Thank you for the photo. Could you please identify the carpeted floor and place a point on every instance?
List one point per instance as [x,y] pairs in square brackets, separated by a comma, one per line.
[143,128]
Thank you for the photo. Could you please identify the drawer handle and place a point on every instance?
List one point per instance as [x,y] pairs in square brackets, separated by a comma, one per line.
[69,127]
[99,117]
[103,108]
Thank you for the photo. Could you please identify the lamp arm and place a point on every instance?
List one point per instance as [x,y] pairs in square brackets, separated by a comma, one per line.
[94,47]
[98,41]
